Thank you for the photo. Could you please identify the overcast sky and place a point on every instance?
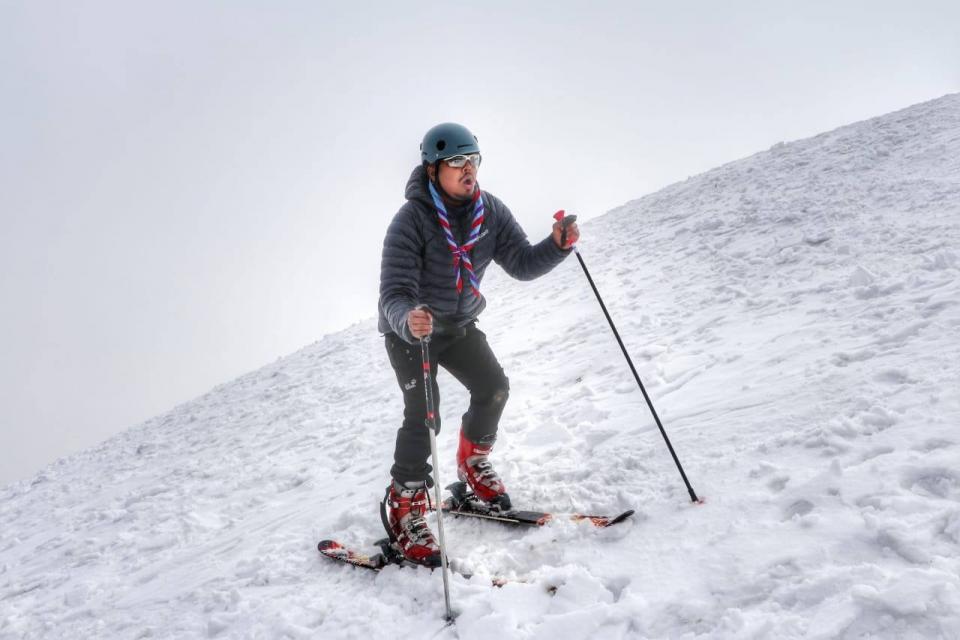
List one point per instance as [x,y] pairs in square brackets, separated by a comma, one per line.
[189,190]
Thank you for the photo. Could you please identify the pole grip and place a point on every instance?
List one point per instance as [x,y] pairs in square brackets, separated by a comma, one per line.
[564,220]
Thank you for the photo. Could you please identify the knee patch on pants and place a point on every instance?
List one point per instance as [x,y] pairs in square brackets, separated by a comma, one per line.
[494,401]
[481,420]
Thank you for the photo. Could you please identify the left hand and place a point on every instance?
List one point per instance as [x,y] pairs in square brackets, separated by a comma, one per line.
[573,234]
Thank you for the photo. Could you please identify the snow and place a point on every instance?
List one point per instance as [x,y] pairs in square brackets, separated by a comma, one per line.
[794,316]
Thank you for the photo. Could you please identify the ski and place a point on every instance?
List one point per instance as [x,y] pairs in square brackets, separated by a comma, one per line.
[336,551]
[387,556]
[462,502]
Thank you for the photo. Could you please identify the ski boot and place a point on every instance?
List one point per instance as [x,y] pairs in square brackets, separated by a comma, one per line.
[403,511]
[475,470]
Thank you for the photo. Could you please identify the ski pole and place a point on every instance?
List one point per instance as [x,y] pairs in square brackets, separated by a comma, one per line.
[432,427]
[564,221]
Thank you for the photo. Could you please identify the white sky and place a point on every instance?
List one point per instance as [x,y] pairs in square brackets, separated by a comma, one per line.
[190,190]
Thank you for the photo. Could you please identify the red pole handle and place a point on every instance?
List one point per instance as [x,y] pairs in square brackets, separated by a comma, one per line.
[564,220]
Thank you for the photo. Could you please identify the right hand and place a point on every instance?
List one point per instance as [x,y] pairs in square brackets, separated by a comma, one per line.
[420,322]
[565,230]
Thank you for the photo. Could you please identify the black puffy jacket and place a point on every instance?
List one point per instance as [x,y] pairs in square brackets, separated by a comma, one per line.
[417,266]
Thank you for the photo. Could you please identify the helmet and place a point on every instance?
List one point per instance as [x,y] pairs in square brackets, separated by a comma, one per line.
[446,140]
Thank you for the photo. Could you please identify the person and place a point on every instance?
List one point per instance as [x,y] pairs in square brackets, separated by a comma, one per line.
[435,253]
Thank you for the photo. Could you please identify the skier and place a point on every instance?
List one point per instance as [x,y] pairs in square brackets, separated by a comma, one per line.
[434,256]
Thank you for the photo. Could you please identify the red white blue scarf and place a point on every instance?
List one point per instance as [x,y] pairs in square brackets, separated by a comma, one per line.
[461,253]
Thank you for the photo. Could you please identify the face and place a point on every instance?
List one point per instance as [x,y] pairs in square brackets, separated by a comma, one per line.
[460,182]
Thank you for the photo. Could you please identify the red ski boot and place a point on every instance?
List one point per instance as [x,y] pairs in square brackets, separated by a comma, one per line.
[475,469]
[403,512]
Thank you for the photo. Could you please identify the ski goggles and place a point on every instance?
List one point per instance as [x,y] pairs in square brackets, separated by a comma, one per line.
[458,161]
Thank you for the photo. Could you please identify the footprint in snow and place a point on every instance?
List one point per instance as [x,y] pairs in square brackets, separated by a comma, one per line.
[936,482]
[799,508]
[951,527]
[940,261]
[843,359]
[595,437]
[935,308]
[933,444]
[877,419]
[778,483]
[894,376]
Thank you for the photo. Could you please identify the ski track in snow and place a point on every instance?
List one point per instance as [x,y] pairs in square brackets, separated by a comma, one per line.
[794,316]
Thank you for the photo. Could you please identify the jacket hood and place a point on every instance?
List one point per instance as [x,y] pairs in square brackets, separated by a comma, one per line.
[417,186]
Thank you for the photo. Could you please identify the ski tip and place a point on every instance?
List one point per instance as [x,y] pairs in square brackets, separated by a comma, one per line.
[620,518]
[328,545]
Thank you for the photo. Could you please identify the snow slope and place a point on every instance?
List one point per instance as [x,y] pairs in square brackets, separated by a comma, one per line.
[795,317]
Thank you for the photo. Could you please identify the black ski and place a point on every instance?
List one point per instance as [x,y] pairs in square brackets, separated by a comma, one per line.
[462,502]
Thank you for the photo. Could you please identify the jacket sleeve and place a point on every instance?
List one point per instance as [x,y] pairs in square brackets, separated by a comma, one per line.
[514,252]
[400,267]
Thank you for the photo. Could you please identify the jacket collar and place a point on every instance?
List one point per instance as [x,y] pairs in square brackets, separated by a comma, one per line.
[417,191]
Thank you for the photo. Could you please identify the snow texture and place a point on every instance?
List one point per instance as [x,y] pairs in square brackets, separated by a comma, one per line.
[795,317]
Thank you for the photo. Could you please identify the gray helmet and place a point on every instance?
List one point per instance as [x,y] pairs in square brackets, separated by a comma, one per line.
[447,140]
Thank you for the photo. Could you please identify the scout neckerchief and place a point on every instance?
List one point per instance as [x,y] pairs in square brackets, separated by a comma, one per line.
[461,252]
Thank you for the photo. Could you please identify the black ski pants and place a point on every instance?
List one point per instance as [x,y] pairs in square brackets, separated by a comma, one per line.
[469,359]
